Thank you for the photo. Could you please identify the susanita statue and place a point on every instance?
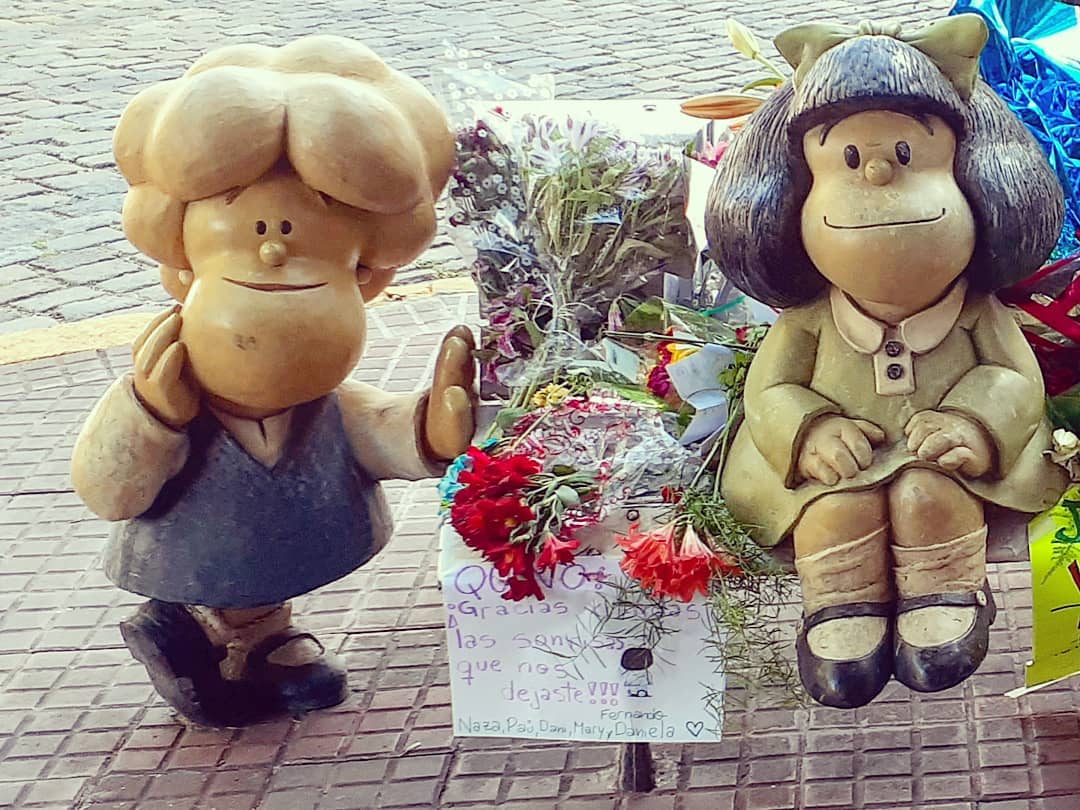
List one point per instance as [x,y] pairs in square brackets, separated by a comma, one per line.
[880,198]
[279,189]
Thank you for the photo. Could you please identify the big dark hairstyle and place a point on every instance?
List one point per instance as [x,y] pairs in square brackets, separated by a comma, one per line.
[753,214]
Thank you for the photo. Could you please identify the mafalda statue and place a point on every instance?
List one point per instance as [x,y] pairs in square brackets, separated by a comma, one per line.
[279,189]
[879,198]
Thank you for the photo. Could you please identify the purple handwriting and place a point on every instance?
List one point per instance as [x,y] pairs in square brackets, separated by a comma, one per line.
[468,608]
[477,580]
[536,697]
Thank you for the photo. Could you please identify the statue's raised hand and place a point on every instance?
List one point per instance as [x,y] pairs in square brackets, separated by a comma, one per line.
[162,382]
[450,420]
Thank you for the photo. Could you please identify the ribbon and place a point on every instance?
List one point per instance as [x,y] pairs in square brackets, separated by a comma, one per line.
[953,44]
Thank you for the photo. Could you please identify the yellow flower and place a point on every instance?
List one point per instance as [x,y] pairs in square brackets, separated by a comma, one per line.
[742,39]
[551,394]
[680,351]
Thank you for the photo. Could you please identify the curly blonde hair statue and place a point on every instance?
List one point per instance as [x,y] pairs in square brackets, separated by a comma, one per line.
[327,108]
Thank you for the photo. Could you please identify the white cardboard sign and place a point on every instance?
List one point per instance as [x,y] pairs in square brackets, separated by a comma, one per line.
[548,670]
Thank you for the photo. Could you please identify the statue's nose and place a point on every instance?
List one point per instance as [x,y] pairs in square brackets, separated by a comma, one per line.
[273,252]
[879,171]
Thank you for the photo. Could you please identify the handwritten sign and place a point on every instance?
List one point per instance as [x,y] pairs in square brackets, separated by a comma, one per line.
[1055,594]
[585,663]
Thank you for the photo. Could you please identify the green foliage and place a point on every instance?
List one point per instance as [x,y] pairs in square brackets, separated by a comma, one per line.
[1066,543]
[1064,410]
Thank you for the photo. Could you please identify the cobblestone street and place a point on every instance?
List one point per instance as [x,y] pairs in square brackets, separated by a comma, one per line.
[68,68]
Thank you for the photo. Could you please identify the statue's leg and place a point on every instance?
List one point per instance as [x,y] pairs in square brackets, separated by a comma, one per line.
[184,664]
[842,556]
[945,608]
[285,667]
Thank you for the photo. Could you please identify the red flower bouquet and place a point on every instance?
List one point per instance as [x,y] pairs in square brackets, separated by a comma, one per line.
[520,518]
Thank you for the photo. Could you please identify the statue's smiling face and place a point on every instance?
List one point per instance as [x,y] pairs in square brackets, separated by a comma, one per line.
[274,315]
[885,220]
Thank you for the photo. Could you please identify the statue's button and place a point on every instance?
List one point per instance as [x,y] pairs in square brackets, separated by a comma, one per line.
[894,348]
[895,371]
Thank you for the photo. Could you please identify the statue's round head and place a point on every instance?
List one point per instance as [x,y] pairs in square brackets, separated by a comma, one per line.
[884,172]
[280,188]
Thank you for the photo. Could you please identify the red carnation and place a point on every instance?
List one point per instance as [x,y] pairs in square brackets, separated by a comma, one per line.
[556,551]
[510,559]
[521,587]
[683,572]
[491,522]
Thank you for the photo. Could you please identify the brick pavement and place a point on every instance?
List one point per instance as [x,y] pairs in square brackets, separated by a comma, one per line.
[80,726]
[68,68]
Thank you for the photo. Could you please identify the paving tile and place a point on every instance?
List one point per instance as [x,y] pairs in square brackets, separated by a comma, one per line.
[289,800]
[1061,777]
[408,794]
[709,800]
[534,787]
[471,790]
[771,798]
[178,784]
[886,790]
[998,782]
[356,772]
[828,794]
[481,762]
[236,781]
[936,787]
[54,791]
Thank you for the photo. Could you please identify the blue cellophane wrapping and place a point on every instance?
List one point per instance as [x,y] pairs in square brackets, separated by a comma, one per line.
[1033,61]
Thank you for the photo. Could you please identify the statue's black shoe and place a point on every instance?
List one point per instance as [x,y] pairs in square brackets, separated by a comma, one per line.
[846,684]
[184,666]
[932,669]
[296,689]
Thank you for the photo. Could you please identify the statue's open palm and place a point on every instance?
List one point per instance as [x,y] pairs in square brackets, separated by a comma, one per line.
[450,420]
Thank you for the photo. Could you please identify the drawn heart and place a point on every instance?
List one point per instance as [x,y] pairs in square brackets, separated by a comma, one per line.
[695,728]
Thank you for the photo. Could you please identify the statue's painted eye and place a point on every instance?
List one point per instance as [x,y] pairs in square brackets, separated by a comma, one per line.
[260,227]
[851,156]
[903,152]
[286,226]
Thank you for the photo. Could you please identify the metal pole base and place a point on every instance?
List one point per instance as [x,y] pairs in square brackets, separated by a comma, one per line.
[637,768]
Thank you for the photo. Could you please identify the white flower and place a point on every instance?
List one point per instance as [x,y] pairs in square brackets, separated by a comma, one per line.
[742,39]
[1066,445]
[1066,452]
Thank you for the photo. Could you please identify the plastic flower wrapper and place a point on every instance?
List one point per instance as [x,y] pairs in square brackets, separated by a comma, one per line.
[557,217]
[1047,306]
[688,361]
[623,443]
[712,292]
[608,211]
[466,78]
[1031,61]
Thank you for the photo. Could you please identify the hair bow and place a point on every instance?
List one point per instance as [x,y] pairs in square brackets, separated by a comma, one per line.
[953,44]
